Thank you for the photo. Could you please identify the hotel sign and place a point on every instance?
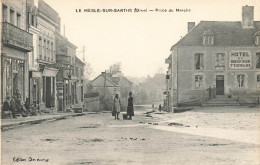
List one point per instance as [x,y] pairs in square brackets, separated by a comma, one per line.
[240,59]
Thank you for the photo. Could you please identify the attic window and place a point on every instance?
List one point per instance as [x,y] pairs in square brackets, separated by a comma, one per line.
[208,40]
[257,38]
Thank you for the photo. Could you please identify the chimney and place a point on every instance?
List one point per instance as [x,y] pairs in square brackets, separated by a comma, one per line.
[190,26]
[248,16]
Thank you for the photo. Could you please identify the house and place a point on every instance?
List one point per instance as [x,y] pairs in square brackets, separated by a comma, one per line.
[109,84]
[220,53]
[16,44]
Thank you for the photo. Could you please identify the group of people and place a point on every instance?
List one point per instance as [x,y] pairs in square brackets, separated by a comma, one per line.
[17,107]
[212,92]
[117,107]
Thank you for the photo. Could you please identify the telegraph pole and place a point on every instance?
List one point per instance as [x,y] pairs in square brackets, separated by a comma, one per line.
[105,87]
[84,54]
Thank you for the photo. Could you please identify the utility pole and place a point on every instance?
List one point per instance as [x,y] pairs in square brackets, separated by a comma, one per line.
[105,87]
[84,54]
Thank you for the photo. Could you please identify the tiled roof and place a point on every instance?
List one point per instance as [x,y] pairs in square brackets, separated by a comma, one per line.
[225,34]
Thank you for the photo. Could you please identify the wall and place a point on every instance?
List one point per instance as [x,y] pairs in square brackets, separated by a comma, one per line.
[187,72]
[92,104]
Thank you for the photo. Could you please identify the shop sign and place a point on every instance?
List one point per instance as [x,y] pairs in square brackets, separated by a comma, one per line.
[241,59]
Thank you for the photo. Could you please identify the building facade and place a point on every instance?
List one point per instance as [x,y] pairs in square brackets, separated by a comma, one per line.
[16,43]
[70,77]
[43,22]
[216,53]
[108,84]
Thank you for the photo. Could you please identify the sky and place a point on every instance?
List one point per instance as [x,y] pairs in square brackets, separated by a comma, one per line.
[141,41]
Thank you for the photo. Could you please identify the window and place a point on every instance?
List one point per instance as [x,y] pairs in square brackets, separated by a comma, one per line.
[18,20]
[241,81]
[257,38]
[198,61]
[12,16]
[198,81]
[51,51]
[208,40]
[48,52]
[4,13]
[220,60]
[258,81]
[44,49]
[258,60]
[40,47]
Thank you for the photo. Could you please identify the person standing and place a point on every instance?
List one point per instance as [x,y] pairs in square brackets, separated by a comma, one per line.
[214,91]
[209,92]
[130,106]
[160,107]
[117,105]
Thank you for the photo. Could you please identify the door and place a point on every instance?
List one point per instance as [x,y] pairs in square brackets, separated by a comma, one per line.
[220,85]
[48,92]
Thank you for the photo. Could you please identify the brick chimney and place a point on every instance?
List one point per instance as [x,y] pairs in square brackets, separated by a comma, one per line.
[248,16]
[190,26]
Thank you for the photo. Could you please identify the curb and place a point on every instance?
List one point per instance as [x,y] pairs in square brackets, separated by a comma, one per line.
[38,121]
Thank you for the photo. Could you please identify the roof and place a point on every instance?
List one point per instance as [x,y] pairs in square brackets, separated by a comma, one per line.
[79,61]
[225,34]
[128,80]
[107,78]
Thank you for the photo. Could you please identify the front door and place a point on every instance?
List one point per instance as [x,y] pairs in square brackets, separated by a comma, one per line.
[220,85]
[48,92]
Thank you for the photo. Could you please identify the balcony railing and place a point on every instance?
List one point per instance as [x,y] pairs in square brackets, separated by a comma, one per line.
[15,37]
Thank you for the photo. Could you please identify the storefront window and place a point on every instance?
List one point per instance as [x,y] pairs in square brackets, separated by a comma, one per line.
[18,78]
[12,78]
[6,77]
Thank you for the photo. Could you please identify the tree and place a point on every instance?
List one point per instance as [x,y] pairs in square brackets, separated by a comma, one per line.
[115,67]
[87,70]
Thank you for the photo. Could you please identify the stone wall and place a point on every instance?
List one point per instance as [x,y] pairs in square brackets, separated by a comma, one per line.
[92,104]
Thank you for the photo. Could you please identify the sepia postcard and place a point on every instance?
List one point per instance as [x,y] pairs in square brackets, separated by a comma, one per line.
[130,82]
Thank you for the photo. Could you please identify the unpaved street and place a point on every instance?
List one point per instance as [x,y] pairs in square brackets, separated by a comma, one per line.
[200,136]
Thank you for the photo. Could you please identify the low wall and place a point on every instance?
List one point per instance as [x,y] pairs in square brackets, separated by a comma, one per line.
[92,104]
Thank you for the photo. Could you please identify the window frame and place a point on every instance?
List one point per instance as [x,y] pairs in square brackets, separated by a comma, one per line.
[258,81]
[18,20]
[241,85]
[12,16]
[198,79]
[257,64]
[201,61]
[208,40]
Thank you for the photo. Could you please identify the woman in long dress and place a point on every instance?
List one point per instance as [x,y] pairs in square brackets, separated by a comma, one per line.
[117,105]
[130,106]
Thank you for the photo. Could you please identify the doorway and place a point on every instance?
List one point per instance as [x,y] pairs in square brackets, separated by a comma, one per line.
[220,84]
[48,92]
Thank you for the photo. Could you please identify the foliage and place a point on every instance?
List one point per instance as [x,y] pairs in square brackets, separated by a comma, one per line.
[115,67]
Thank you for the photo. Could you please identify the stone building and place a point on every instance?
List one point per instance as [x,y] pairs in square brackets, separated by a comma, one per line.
[224,54]
[108,84]
[70,75]
[43,22]
[16,43]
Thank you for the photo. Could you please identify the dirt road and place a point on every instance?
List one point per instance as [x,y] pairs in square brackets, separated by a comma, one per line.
[201,136]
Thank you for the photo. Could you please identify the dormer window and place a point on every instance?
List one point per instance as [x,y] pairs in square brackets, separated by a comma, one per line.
[257,38]
[208,38]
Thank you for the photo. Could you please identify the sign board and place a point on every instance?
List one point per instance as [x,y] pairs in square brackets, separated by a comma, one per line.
[241,59]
